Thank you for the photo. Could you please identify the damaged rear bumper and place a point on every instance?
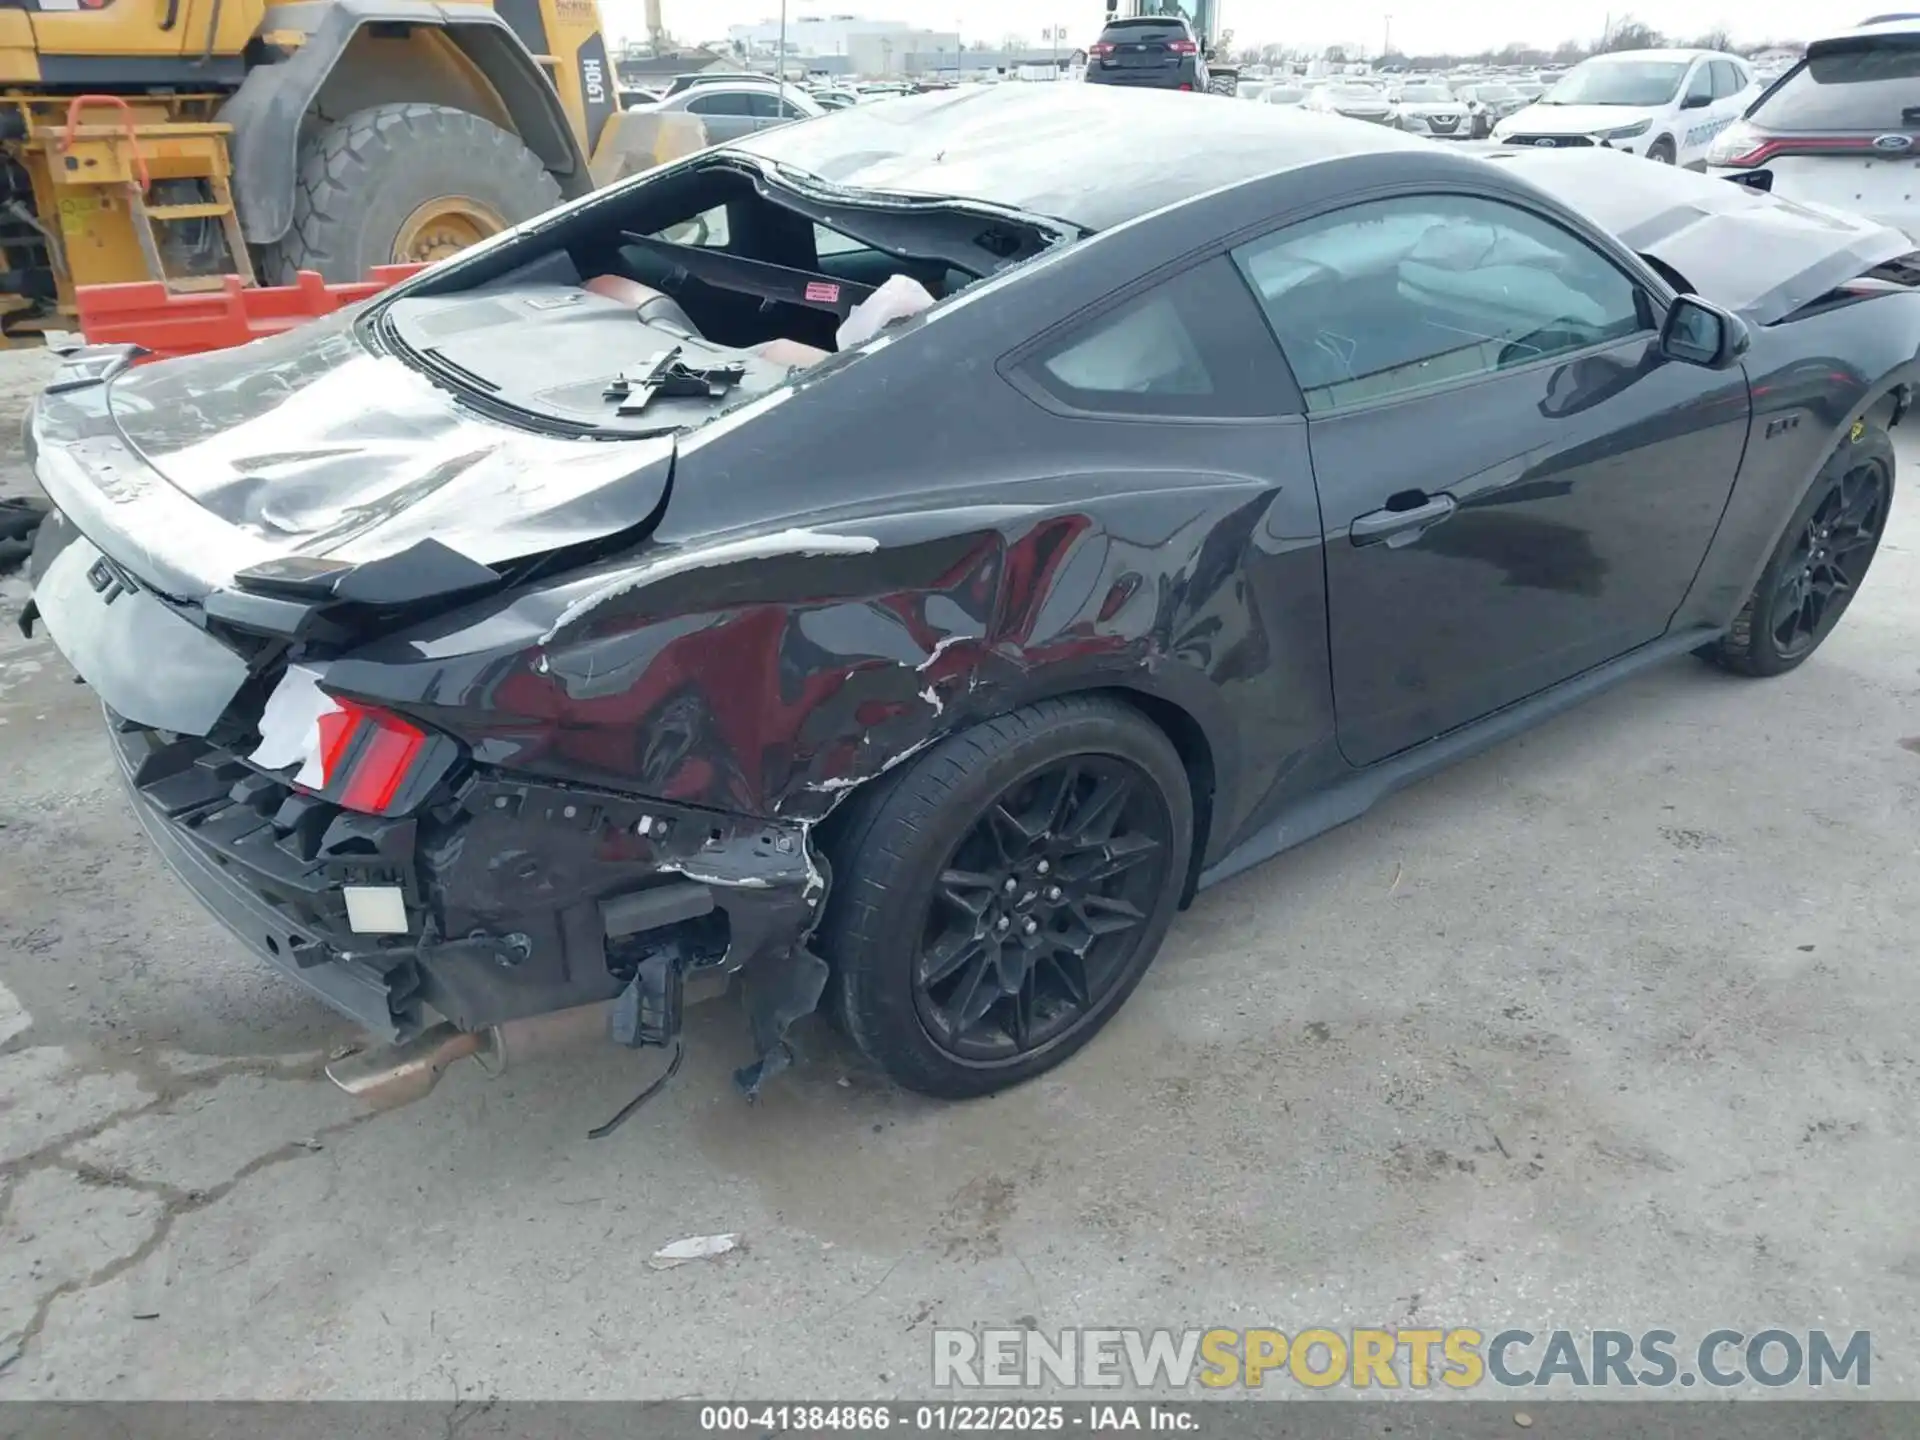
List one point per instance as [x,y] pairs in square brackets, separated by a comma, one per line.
[507,899]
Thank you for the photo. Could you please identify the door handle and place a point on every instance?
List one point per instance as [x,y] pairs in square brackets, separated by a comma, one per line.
[1401,527]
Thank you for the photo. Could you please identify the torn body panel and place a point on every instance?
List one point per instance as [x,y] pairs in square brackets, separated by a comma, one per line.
[518,898]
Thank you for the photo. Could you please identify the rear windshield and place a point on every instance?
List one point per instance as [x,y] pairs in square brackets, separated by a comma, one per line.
[1854,84]
[1148,29]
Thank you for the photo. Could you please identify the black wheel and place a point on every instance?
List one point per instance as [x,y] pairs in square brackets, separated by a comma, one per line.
[1662,151]
[400,183]
[19,518]
[996,903]
[1819,563]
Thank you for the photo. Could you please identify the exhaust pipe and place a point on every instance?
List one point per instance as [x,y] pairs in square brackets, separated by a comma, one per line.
[397,1075]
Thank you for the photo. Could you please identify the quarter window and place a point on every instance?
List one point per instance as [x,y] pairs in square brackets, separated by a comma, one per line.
[1193,345]
[1406,294]
[708,228]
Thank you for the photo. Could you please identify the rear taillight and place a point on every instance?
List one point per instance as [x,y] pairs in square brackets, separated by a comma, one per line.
[359,756]
[1186,87]
[1099,48]
[1741,147]
[1184,47]
[366,755]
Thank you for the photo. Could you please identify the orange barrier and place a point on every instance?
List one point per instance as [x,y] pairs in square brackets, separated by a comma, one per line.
[168,323]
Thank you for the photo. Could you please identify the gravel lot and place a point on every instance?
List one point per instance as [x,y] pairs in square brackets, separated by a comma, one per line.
[1612,1027]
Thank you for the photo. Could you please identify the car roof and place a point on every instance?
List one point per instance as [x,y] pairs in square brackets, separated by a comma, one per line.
[1093,155]
[1614,56]
[1895,24]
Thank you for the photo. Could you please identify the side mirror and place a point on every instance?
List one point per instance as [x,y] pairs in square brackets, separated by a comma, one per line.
[1697,332]
[1696,102]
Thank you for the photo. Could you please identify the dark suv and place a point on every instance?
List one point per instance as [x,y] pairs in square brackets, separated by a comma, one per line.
[1156,51]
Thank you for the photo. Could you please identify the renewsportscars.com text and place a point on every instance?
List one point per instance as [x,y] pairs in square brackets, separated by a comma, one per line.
[1393,1359]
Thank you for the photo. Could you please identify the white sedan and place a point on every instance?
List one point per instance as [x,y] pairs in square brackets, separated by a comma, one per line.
[1432,110]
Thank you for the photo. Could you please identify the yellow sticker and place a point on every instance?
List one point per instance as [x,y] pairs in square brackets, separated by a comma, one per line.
[1859,429]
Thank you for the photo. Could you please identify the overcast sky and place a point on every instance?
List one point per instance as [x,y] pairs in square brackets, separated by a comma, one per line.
[1462,25]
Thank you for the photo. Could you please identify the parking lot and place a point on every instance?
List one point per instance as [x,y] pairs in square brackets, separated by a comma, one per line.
[1612,1026]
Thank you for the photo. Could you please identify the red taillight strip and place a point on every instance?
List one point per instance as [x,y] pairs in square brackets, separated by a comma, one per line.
[1775,146]
[371,750]
[382,767]
[337,729]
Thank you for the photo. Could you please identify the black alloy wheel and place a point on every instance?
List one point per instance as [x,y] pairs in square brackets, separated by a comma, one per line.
[1819,563]
[1829,559]
[1040,907]
[996,899]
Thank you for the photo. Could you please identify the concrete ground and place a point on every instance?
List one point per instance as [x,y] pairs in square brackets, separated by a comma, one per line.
[1612,1027]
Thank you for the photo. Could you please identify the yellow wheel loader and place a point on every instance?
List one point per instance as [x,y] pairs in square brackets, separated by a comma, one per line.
[186,140]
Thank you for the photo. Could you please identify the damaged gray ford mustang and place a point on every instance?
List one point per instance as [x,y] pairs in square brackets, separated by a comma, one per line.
[598,617]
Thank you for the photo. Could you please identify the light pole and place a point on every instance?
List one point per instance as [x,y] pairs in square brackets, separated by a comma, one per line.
[780,60]
[1386,38]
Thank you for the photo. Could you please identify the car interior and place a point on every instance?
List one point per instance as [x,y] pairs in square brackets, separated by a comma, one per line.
[711,259]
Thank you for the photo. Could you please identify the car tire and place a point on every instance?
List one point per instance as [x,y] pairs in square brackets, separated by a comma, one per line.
[1662,151]
[923,862]
[367,186]
[1848,501]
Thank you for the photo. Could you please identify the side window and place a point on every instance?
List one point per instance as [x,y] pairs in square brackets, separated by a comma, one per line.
[791,111]
[720,102]
[764,106]
[1400,295]
[1193,345]
[1700,86]
[1727,79]
[709,227]
[831,242]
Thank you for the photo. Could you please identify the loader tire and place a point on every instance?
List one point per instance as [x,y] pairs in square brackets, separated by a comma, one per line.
[400,183]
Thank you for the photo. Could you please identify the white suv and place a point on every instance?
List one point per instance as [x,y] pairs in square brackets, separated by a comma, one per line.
[1667,105]
[1841,128]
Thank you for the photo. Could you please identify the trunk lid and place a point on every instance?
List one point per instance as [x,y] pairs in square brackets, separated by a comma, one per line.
[212,508]
[311,445]
[1754,253]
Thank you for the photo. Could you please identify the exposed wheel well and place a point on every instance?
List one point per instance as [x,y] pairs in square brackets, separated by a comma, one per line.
[1189,741]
